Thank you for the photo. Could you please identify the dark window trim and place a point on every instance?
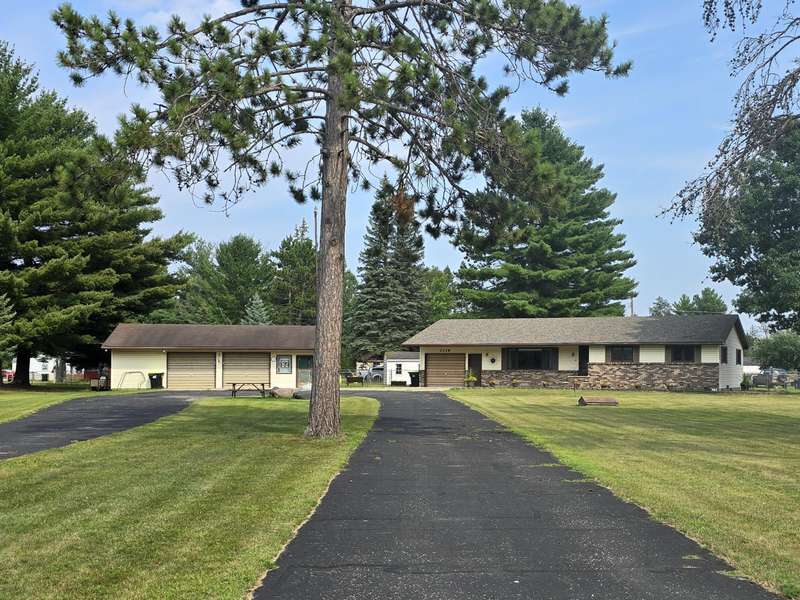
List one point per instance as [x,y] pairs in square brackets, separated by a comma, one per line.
[634,355]
[550,351]
[738,356]
[398,369]
[668,354]
[723,355]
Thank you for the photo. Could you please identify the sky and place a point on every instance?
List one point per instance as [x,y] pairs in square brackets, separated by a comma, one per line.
[652,131]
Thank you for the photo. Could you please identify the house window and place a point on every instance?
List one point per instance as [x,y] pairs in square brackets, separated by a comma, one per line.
[620,354]
[738,356]
[723,355]
[532,359]
[283,364]
[683,354]
[398,368]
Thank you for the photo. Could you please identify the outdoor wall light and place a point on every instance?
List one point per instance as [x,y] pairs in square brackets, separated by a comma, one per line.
[493,360]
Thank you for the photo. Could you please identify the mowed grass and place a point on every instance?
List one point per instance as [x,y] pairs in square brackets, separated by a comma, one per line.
[196,505]
[723,468]
[15,404]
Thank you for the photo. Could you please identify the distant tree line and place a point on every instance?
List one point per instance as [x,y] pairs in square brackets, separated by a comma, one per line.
[239,282]
[707,301]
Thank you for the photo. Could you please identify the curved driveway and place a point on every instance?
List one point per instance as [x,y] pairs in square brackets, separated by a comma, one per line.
[87,418]
[442,503]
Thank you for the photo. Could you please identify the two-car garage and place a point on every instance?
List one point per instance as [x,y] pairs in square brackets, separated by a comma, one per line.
[205,357]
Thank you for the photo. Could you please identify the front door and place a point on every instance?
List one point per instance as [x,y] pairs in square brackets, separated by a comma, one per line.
[583,360]
[474,364]
[305,364]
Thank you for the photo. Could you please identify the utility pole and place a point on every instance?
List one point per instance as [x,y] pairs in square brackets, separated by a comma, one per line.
[316,238]
[633,314]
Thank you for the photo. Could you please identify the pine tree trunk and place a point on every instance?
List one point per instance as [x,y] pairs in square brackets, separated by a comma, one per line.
[323,417]
[22,374]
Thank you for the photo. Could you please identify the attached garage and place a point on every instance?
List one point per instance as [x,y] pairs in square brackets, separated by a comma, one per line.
[445,370]
[245,367]
[191,370]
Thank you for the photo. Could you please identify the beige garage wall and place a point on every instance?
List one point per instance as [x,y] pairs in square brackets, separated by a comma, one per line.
[487,354]
[285,380]
[129,368]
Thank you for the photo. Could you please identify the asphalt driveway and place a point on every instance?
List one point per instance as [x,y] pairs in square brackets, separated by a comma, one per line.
[441,503]
[87,418]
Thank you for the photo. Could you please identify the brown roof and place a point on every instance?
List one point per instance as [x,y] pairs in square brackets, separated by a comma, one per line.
[689,329]
[401,355]
[211,337]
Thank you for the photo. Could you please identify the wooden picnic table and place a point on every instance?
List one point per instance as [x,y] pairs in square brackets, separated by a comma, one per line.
[260,387]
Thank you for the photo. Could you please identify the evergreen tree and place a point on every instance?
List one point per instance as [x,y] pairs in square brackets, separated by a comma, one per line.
[708,301]
[256,312]
[407,310]
[683,305]
[292,292]
[661,307]
[382,82]
[541,243]
[220,281]
[76,254]
[349,301]
[373,304]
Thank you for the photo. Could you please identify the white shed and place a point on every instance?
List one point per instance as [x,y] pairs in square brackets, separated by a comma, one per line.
[398,366]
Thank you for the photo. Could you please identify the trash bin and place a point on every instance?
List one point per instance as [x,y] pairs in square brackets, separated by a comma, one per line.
[414,378]
[156,380]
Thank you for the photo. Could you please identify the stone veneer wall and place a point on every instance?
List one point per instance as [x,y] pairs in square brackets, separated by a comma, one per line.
[644,376]
[526,378]
[653,376]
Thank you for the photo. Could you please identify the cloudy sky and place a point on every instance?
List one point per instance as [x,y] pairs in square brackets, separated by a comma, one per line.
[652,130]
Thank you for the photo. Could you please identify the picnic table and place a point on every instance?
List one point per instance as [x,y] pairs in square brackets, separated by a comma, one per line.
[259,387]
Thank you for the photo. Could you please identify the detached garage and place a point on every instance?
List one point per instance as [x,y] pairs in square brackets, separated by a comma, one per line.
[203,357]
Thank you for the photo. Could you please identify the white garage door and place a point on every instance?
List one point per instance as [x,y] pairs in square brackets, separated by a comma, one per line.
[245,367]
[191,370]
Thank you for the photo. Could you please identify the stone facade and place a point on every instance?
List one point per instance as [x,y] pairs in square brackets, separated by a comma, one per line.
[653,376]
[528,379]
[636,376]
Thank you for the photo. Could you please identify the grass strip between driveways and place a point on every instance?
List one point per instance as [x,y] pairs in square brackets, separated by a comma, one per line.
[722,468]
[195,505]
[16,403]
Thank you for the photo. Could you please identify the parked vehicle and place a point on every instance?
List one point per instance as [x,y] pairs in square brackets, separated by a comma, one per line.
[770,376]
[375,374]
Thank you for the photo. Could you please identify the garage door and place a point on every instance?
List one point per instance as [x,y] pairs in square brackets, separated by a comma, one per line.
[191,370]
[245,367]
[444,369]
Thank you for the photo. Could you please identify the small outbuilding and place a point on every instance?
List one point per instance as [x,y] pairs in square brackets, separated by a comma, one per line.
[398,367]
[205,357]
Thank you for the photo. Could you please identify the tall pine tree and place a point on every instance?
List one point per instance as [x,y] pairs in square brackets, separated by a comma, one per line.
[367,322]
[256,312]
[540,243]
[390,302]
[76,254]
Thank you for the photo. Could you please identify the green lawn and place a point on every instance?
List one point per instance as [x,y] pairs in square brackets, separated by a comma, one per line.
[15,403]
[196,505]
[723,468]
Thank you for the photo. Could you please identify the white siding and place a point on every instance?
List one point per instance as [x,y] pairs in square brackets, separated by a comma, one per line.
[568,358]
[730,375]
[407,366]
[597,354]
[130,368]
[652,354]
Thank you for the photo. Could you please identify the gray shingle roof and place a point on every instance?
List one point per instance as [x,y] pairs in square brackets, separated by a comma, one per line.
[402,356]
[690,329]
[211,337]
